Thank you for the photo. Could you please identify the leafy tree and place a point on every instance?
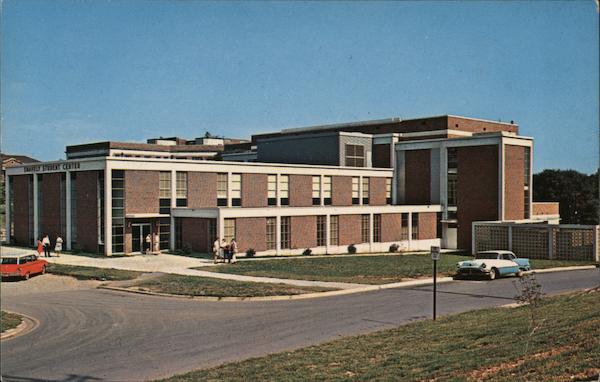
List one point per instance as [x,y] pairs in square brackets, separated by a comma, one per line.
[577,194]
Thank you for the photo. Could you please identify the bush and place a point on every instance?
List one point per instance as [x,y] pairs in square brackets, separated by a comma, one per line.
[352,249]
[250,252]
[186,249]
[307,252]
[394,247]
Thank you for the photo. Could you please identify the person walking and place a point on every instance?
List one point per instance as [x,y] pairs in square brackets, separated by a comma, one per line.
[46,244]
[216,250]
[156,243]
[224,250]
[58,245]
[148,244]
[233,248]
[40,247]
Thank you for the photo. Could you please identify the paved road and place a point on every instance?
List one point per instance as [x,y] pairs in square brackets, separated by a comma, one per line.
[90,334]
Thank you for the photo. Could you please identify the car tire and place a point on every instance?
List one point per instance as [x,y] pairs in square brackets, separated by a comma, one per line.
[519,273]
[493,274]
[43,270]
[26,277]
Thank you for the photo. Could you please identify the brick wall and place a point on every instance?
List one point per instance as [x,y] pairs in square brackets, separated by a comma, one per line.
[86,199]
[427,225]
[50,222]
[254,190]
[304,232]
[390,227]
[377,191]
[476,126]
[141,192]
[300,190]
[514,182]
[251,233]
[202,189]
[418,176]
[349,228]
[341,190]
[194,231]
[381,156]
[477,189]
[21,191]
[545,208]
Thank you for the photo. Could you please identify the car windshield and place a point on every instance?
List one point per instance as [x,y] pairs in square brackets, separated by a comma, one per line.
[9,260]
[487,255]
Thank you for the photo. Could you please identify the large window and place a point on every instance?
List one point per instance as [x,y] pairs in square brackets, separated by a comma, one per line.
[181,188]
[271,233]
[272,190]
[236,190]
[388,190]
[334,230]
[284,189]
[118,211]
[527,188]
[355,190]
[365,189]
[221,189]
[415,226]
[452,176]
[355,155]
[321,231]
[165,184]
[316,190]
[327,190]
[164,232]
[365,228]
[285,232]
[377,228]
[229,228]
[404,226]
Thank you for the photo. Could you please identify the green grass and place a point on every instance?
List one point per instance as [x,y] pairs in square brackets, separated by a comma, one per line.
[354,269]
[9,321]
[204,286]
[541,264]
[479,345]
[91,273]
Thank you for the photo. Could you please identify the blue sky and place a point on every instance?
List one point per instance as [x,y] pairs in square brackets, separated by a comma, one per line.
[81,71]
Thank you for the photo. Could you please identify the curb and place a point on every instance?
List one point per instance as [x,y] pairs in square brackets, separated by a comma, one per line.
[563,269]
[368,288]
[28,324]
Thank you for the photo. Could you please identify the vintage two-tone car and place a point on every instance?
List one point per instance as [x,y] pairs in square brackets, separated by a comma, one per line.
[493,264]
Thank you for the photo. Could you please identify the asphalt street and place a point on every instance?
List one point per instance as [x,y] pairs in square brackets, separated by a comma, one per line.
[89,334]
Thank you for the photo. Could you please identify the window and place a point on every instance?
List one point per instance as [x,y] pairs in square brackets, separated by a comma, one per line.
[165,184]
[284,187]
[452,183]
[365,229]
[355,155]
[415,226]
[229,228]
[438,227]
[221,189]
[118,211]
[388,190]
[355,190]
[527,172]
[321,231]
[285,232]
[272,190]
[377,228]
[365,190]
[316,190]
[327,190]
[236,190]
[334,231]
[452,176]
[164,229]
[404,227]
[181,189]
[271,233]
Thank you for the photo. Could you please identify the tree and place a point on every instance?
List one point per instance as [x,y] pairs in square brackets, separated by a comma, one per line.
[577,194]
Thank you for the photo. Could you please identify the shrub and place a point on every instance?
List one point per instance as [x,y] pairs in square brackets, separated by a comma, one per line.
[186,249]
[394,247]
[307,252]
[250,252]
[352,249]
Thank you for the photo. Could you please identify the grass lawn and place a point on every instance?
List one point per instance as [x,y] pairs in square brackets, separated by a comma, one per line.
[479,345]
[356,269]
[205,286]
[9,321]
[541,264]
[91,273]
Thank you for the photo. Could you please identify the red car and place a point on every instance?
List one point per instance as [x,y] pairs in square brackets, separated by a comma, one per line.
[22,266]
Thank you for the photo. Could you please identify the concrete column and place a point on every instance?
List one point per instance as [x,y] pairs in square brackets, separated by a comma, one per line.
[322,192]
[7,210]
[327,233]
[278,227]
[596,244]
[36,223]
[107,210]
[172,234]
[360,190]
[550,241]
[501,182]
[444,180]
[510,237]
[173,188]
[278,191]
[220,225]
[409,230]
[68,210]
[395,176]
[371,225]
[229,189]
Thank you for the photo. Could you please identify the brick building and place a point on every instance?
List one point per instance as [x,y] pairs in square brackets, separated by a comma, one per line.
[414,183]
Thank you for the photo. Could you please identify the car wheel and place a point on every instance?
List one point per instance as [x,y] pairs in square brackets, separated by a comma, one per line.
[519,273]
[43,270]
[26,277]
[493,273]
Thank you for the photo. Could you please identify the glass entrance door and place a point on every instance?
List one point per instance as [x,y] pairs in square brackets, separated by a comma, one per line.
[138,237]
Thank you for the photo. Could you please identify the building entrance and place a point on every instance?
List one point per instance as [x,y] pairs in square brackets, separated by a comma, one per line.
[138,237]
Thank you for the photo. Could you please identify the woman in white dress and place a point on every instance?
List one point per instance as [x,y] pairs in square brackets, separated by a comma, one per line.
[58,246]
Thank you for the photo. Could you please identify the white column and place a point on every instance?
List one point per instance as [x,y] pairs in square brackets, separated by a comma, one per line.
[229,189]
[7,210]
[220,225]
[173,188]
[172,234]
[36,223]
[327,233]
[278,231]
[371,225]
[278,191]
[321,193]
[501,190]
[395,176]
[409,230]
[68,210]
[107,210]
[444,180]
[360,190]
[596,244]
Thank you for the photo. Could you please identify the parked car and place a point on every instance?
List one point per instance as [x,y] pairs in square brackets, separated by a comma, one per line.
[493,264]
[22,266]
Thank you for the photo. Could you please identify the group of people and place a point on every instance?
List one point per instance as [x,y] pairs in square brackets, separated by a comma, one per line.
[44,246]
[225,251]
[152,244]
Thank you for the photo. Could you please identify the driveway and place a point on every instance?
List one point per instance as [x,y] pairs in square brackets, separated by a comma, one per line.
[90,334]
